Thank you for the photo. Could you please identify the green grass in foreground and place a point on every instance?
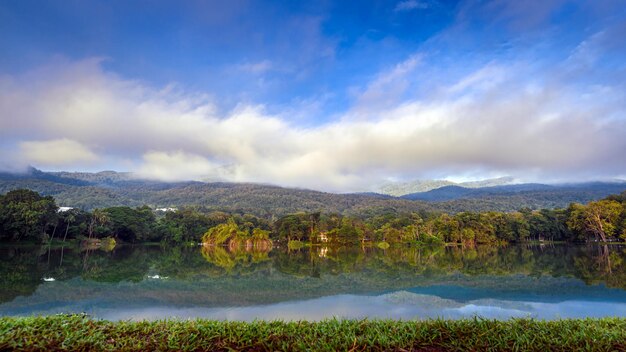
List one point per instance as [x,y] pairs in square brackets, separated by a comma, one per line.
[81,333]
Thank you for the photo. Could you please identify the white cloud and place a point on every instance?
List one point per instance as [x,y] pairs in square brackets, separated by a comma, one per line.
[388,87]
[505,126]
[483,79]
[177,166]
[256,67]
[57,152]
[409,5]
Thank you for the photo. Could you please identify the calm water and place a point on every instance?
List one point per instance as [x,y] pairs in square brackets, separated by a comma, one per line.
[153,282]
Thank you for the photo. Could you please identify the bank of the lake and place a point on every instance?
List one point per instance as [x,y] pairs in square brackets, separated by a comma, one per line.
[63,332]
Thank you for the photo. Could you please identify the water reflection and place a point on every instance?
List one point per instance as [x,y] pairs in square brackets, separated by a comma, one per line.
[397,305]
[244,283]
[229,257]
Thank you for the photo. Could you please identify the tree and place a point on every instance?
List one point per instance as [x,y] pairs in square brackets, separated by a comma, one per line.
[447,228]
[223,233]
[69,219]
[598,219]
[98,217]
[132,225]
[347,232]
[25,214]
[259,234]
[518,226]
[188,224]
[294,227]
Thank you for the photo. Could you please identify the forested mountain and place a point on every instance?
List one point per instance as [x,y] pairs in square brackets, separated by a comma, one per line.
[533,192]
[245,197]
[398,189]
[105,189]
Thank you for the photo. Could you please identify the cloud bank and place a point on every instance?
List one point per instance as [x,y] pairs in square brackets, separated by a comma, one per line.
[486,122]
[56,153]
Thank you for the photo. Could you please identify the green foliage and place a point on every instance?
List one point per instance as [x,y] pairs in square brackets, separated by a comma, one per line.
[300,226]
[224,233]
[259,234]
[78,332]
[131,225]
[596,219]
[25,215]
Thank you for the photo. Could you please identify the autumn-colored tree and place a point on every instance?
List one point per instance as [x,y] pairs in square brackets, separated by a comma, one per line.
[597,219]
[259,234]
[223,233]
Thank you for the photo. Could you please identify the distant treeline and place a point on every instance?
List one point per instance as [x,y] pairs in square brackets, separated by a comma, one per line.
[27,216]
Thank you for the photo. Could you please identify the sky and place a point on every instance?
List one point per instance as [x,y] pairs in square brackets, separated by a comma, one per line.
[331,95]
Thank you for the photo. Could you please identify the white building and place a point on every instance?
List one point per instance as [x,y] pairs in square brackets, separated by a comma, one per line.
[166,209]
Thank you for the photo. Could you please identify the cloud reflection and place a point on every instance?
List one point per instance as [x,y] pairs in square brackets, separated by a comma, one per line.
[398,305]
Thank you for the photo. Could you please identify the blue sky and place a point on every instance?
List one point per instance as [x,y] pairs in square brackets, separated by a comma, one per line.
[274,53]
[334,95]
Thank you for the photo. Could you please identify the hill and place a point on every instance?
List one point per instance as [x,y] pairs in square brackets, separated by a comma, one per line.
[398,189]
[109,188]
[92,191]
[459,192]
[529,195]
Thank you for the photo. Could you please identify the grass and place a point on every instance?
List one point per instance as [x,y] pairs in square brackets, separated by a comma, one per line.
[78,332]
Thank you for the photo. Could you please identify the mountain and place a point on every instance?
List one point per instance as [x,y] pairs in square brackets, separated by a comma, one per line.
[399,189]
[102,177]
[439,194]
[491,182]
[109,188]
[549,195]
[34,174]
[458,192]
[89,191]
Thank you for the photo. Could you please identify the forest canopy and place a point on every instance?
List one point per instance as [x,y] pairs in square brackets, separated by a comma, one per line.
[26,215]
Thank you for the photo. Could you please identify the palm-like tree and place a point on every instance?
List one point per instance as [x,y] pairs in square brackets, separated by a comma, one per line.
[69,220]
[98,217]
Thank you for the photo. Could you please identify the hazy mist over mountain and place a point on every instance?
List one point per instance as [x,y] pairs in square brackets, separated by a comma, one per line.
[402,188]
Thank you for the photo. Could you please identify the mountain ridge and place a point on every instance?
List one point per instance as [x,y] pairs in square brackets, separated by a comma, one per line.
[105,189]
[447,193]
[399,189]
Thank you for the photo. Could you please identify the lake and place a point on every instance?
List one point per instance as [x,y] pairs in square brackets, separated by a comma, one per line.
[154,282]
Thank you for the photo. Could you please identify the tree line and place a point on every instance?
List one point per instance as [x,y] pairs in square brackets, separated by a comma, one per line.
[28,216]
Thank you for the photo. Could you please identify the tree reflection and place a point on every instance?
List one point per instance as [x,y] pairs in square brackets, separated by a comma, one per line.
[231,256]
[23,268]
